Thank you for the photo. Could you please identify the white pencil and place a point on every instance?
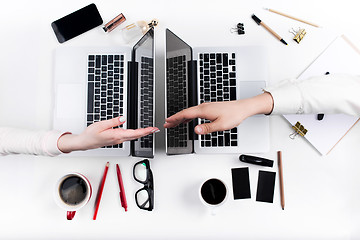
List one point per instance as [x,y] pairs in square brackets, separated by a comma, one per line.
[286,15]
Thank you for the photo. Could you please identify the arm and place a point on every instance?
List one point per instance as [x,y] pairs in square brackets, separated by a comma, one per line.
[102,134]
[52,143]
[14,140]
[324,94]
[223,115]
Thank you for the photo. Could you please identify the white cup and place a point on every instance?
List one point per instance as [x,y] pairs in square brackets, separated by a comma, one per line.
[213,193]
[72,192]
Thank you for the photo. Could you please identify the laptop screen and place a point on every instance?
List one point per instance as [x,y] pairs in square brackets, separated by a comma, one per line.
[178,56]
[143,99]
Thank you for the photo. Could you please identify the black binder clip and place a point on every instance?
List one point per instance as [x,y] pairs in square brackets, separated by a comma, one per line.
[239,29]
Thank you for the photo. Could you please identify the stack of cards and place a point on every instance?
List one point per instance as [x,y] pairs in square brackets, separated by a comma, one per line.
[241,185]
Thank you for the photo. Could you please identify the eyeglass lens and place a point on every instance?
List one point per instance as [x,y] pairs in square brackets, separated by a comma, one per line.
[140,172]
[143,198]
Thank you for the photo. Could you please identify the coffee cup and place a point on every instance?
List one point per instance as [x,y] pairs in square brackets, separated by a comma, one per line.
[72,192]
[213,193]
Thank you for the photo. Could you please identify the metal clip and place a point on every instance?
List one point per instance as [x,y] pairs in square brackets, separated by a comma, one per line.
[298,35]
[239,29]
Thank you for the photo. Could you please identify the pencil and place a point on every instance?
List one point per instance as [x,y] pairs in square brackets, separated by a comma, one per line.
[259,22]
[98,198]
[286,15]
[282,197]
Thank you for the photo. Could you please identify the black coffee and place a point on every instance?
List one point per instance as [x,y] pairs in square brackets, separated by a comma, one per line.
[213,191]
[73,190]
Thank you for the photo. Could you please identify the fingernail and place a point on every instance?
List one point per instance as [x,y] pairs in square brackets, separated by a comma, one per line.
[155,130]
[198,129]
[122,119]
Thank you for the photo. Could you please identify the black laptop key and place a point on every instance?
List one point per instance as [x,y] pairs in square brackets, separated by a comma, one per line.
[110,59]
[214,142]
[90,117]
[218,58]
[104,60]
[225,59]
[227,139]
[98,61]
[91,77]
[220,141]
[90,97]
[206,57]
[233,93]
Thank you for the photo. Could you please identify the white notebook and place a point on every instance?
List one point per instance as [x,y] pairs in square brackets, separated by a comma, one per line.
[340,57]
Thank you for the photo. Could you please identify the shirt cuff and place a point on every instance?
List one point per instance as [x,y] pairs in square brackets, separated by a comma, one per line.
[50,143]
[287,97]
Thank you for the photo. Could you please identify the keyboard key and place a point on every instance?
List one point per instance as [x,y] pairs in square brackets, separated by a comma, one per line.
[98,61]
[91,77]
[233,93]
[103,59]
[206,57]
[90,97]
[225,59]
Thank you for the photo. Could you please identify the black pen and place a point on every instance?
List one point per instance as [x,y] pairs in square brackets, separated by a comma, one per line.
[259,22]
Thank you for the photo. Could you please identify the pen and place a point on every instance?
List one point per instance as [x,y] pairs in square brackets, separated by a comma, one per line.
[259,22]
[121,186]
[286,15]
[282,197]
[98,198]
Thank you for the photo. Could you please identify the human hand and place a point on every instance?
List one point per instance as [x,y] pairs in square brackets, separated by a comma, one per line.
[101,134]
[223,115]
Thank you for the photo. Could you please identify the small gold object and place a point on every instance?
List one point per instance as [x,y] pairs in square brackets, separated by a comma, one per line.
[299,130]
[298,35]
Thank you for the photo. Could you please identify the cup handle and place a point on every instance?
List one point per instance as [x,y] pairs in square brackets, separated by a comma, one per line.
[70,215]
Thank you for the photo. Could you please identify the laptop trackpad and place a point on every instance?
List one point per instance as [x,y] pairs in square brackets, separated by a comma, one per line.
[251,88]
[70,100]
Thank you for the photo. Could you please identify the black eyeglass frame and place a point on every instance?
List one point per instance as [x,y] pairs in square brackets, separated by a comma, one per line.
[148,186]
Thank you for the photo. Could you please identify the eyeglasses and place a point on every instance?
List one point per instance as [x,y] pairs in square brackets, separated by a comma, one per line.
[144,197]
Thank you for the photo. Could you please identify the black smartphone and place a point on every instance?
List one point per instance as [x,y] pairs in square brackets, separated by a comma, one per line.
[77,23]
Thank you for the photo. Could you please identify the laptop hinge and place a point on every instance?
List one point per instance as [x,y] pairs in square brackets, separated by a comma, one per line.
[192,93]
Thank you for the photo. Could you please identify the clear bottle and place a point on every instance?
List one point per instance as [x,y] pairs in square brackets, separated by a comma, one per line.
[136,30]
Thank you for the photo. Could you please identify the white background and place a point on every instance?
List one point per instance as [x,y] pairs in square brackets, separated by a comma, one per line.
[322,193]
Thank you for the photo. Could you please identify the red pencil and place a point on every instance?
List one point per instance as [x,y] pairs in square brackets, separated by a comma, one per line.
[122,190]
[98,198]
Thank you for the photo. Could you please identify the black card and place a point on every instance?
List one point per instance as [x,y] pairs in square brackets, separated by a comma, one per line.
[266,185]
[241,183]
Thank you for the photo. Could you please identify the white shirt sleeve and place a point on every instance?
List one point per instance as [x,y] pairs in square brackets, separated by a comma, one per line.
[324,94]
[14,140]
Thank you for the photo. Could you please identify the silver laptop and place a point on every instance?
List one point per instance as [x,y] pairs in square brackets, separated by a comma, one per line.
[197,75]
[99,83]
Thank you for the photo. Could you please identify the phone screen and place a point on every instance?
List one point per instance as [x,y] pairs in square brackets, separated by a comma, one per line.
[77,23]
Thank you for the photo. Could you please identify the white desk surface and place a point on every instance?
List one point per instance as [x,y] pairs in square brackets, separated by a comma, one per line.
[322,193]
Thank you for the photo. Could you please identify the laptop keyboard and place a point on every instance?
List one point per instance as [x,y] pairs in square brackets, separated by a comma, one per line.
[105,88]
[176,99]
[217,73]
[146,101]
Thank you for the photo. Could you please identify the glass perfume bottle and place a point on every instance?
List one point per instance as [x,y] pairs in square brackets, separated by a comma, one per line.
[136,30]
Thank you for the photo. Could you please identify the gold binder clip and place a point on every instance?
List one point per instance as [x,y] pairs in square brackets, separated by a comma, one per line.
[298,35]
[299,130]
